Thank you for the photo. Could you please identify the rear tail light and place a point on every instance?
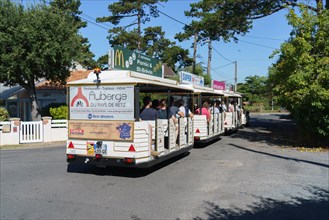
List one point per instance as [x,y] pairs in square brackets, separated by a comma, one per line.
[129,160]
[196,138]
[70,156]
[98,156]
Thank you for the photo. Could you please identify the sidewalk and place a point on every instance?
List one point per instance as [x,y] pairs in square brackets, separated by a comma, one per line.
[34,145]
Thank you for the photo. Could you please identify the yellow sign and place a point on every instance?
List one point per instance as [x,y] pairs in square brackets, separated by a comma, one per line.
[119,58]
[101,130]
[90,148]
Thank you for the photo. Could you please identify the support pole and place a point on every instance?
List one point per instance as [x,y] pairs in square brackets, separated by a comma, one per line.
[236,76]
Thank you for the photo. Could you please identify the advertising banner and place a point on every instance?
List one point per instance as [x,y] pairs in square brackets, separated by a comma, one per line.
[124,59]
[102,103]
[189,78]
[218,85]
[101,130]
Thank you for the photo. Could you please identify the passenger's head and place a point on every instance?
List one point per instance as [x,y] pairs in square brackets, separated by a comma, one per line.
[180,103]
[155,103]
[163,103]
[147,100]
[205,104]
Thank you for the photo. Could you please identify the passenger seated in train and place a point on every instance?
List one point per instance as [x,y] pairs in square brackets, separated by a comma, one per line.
[231,106]
[224,106]
[214,109]
[187,112]
[156,104]
[204,110]
[162,113]
[174,109]
[148,113]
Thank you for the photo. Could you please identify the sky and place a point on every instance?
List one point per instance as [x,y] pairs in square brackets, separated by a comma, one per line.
[251,52]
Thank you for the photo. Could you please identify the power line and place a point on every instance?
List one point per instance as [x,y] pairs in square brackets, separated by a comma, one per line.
[223,55]
[172,18]
[215,71]
[260,45]
[224,65]
[265,38]
[93,22]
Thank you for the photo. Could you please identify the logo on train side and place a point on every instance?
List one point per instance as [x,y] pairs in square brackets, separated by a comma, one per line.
[124,130]
[79,100]
[119,58]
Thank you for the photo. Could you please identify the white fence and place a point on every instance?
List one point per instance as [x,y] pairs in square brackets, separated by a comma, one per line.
[30,132]
[16,132]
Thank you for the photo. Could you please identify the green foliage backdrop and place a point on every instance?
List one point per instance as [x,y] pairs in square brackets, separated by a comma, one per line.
[301,75]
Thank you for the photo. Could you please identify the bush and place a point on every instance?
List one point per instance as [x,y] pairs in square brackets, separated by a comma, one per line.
[4,115]
[59,113]
[251,108]
[45,110]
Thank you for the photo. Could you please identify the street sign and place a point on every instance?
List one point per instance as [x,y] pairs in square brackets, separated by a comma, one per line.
[124,59]
[218,85]
[189,78]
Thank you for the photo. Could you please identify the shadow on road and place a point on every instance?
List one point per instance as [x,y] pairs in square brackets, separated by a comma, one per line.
[315,206]
[278,130]
[282,157]
[203,145]
[122,171]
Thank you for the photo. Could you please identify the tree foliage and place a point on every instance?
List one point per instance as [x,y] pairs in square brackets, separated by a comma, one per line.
[4,115]
[36,43]
[255,89]
[71,7]
[141,10]
[301,74]
[154,44]
[224,19]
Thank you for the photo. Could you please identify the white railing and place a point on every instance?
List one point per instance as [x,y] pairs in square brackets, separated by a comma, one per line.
[59,123]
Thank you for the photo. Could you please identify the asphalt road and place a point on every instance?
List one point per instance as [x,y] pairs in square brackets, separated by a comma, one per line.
[242,176]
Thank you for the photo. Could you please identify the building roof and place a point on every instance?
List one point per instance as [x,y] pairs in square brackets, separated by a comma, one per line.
[167,71]
[78,74]
[7,91]
[75,75]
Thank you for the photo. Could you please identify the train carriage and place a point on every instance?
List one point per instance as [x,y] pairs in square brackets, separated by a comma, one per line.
[206,130]
[105,128]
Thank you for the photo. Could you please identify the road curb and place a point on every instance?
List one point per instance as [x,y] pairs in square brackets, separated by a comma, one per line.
[33,145]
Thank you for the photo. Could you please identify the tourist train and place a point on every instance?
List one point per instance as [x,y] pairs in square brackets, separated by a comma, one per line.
[105,126]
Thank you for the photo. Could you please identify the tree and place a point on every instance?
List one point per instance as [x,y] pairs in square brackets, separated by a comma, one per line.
[176,57]
[103,61]
[36,43]
[301,74]
[255,89]
[217,20]
[223,19]
[71,7]
[154,44]
[129,9]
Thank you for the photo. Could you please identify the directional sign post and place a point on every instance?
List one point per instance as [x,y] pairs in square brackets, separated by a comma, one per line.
[124,59]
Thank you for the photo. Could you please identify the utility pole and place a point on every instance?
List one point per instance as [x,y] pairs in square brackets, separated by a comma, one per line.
[194,51]
[139,26]
[209,58]
[236,76]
